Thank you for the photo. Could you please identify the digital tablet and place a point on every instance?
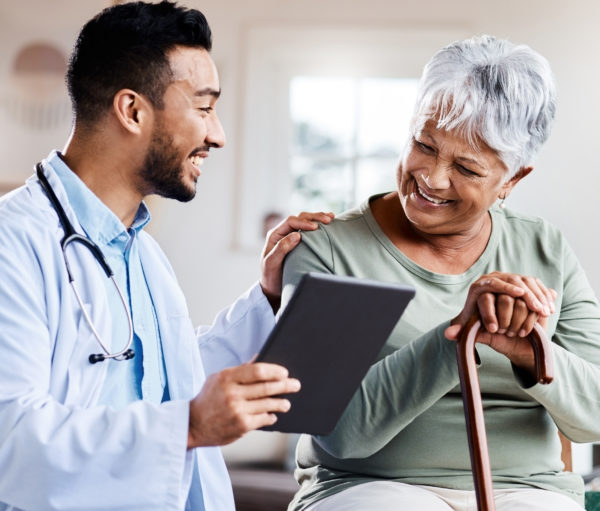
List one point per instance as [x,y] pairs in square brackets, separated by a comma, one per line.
[328,336]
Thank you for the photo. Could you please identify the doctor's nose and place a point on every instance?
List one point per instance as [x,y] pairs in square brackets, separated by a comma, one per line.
[215,135]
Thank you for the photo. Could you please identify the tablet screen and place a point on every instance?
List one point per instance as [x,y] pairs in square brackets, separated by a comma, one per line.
[328,336]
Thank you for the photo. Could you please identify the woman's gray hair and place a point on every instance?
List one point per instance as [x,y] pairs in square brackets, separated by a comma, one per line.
[493,91]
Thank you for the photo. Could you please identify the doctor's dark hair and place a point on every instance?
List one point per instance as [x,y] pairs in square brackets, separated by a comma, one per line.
[126,46]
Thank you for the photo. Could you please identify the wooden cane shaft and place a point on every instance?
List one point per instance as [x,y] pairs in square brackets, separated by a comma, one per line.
[473,406]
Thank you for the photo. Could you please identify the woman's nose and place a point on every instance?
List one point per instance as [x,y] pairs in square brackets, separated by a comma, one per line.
[436,176]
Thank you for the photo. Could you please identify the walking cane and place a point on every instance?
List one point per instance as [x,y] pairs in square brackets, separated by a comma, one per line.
[471,394]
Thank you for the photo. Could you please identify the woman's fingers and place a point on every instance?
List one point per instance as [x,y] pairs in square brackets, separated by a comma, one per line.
[519,315]
[506,303]
[487,284]
[505,306]
[505,315]
[534,302]
[541,292]
[527,326]
[537,296]
[550,295]
[486,305]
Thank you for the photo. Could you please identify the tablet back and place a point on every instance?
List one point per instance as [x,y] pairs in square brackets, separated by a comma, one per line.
[328,336]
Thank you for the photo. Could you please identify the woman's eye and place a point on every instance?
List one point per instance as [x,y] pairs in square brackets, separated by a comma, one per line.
[465,171]
[424,147]
[206,109]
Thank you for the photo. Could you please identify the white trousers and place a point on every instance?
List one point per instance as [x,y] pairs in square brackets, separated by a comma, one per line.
[394,496]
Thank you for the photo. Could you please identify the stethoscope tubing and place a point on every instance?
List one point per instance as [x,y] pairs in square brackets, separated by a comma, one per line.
[71,236]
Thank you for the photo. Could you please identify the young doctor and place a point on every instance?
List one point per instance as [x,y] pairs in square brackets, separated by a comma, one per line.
[104,394]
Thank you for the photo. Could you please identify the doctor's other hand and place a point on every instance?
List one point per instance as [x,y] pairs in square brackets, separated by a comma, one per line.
[237,400]
[281,240]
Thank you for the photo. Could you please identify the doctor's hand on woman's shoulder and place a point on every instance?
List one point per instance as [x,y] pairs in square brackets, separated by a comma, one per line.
[238,400]
[281,240]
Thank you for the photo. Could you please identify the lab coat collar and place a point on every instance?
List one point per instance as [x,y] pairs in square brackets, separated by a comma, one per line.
[99,223]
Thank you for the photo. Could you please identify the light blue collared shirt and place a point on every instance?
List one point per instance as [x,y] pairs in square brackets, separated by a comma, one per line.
[144,376]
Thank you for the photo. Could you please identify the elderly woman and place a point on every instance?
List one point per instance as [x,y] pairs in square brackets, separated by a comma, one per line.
[484,108]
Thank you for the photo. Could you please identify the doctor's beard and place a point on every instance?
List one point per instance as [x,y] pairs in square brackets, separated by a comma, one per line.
[163,172]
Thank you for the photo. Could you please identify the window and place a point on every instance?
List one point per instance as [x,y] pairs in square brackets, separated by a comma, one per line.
[346,139]
[324,114]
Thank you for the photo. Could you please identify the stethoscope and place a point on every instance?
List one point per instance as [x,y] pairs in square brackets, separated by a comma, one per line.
[73,237]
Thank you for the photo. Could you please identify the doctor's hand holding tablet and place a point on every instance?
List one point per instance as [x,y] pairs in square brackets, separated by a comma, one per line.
[242,398]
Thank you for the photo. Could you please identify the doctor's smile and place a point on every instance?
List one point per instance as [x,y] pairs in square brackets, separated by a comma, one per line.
[197,159]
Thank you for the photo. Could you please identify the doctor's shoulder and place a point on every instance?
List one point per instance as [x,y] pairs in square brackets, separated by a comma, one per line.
[28,225]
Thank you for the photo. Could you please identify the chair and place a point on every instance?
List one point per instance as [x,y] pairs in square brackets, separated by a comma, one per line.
[592,498]
[473,406]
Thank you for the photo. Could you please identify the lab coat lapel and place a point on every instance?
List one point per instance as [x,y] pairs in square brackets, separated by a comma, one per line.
[74,381]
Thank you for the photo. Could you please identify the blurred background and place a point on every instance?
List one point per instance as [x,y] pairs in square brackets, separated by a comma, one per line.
[315,104]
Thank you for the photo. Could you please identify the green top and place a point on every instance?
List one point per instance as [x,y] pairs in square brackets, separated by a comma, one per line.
[406,422]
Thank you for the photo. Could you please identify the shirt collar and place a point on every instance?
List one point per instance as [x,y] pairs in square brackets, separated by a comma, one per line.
[99,223]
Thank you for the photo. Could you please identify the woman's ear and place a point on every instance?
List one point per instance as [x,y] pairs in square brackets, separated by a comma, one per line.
[510,184]
[131,110]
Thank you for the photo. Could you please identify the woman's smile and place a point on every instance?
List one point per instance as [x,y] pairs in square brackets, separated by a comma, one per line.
[430,198]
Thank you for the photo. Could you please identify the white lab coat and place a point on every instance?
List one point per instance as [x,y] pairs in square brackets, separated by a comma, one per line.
[59,450]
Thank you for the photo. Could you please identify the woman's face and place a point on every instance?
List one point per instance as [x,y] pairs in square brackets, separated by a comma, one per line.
[447,187]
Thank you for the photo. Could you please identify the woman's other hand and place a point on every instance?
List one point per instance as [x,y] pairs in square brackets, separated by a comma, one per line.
[503,314]
[506,303]
[507,318]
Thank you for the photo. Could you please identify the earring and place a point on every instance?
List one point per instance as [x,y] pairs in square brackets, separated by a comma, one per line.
[501,205]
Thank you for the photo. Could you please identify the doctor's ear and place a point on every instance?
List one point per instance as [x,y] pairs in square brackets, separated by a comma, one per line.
[131,110]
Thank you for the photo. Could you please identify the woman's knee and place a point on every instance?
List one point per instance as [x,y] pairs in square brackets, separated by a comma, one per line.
[381,496]
[532,499]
